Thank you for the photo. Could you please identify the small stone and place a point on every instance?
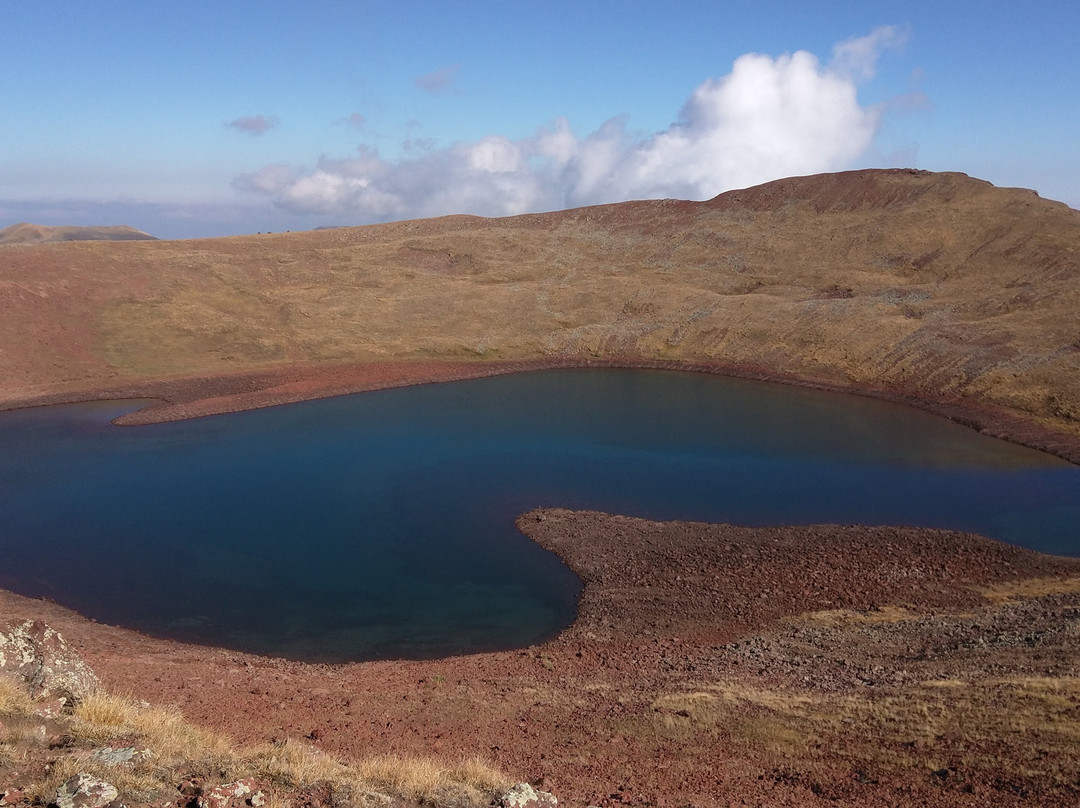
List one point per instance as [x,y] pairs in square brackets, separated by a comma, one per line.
[12,796]
[190,788]
[232,795]
[85,791]
[524,795]
[36,736]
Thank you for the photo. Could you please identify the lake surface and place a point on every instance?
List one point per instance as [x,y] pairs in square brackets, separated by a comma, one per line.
[382,524]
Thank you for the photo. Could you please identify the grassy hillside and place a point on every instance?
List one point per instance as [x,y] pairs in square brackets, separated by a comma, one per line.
[26,233]
[937,284]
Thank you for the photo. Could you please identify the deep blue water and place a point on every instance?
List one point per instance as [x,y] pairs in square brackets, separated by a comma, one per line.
[382,524]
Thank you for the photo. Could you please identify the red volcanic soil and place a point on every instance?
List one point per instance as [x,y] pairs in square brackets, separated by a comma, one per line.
[693,675]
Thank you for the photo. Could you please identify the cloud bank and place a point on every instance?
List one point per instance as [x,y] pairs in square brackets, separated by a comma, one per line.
[769,117]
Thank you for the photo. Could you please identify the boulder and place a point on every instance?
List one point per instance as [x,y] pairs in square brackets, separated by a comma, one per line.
[34,652]
[524,795]
[85,791]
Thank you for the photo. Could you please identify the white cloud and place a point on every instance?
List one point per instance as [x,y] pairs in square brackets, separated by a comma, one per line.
[495,155]
[769,117]
[253,124]
[271,179]
[857,57]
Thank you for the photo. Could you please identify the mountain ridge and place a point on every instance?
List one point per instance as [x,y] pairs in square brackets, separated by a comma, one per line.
[935,285]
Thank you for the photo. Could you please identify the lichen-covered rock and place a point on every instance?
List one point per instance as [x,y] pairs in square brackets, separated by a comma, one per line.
[124,756]
[524,795]
[233,795]
[49,709]
[36,653]
[85,791]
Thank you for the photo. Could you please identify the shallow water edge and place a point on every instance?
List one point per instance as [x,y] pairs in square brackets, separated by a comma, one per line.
[180,398]
[438,474]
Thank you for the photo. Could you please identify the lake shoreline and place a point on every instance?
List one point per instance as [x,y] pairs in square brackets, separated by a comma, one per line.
[690,642]
[690,639]
[180,398]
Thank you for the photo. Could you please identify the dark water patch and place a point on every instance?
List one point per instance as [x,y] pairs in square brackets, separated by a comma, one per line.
[382,524]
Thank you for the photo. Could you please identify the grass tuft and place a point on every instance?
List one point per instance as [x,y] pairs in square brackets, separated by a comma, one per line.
[177,749]
[101,717]
[141,783]
[1034,721]
[1012,591]
[290,764]
[424,778]
[14,699]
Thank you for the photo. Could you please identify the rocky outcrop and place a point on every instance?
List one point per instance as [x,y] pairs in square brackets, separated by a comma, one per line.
[85,791]
[36,654]
[233,795]
[524,795]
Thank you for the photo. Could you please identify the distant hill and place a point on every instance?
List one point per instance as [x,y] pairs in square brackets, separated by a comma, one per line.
[26,233]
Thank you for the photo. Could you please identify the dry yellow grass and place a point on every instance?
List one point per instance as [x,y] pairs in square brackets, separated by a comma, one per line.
[842,618]
[966,725]
[726,706]
[419,776]
[101,717]
[1013,591]
[291,764]
[931,282]
[13,697]
[143,782]
[175,746]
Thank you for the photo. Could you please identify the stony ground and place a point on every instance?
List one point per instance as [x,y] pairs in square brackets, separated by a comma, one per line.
[711,665]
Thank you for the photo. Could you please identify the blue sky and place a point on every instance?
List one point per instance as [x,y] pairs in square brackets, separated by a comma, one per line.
[204,119]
